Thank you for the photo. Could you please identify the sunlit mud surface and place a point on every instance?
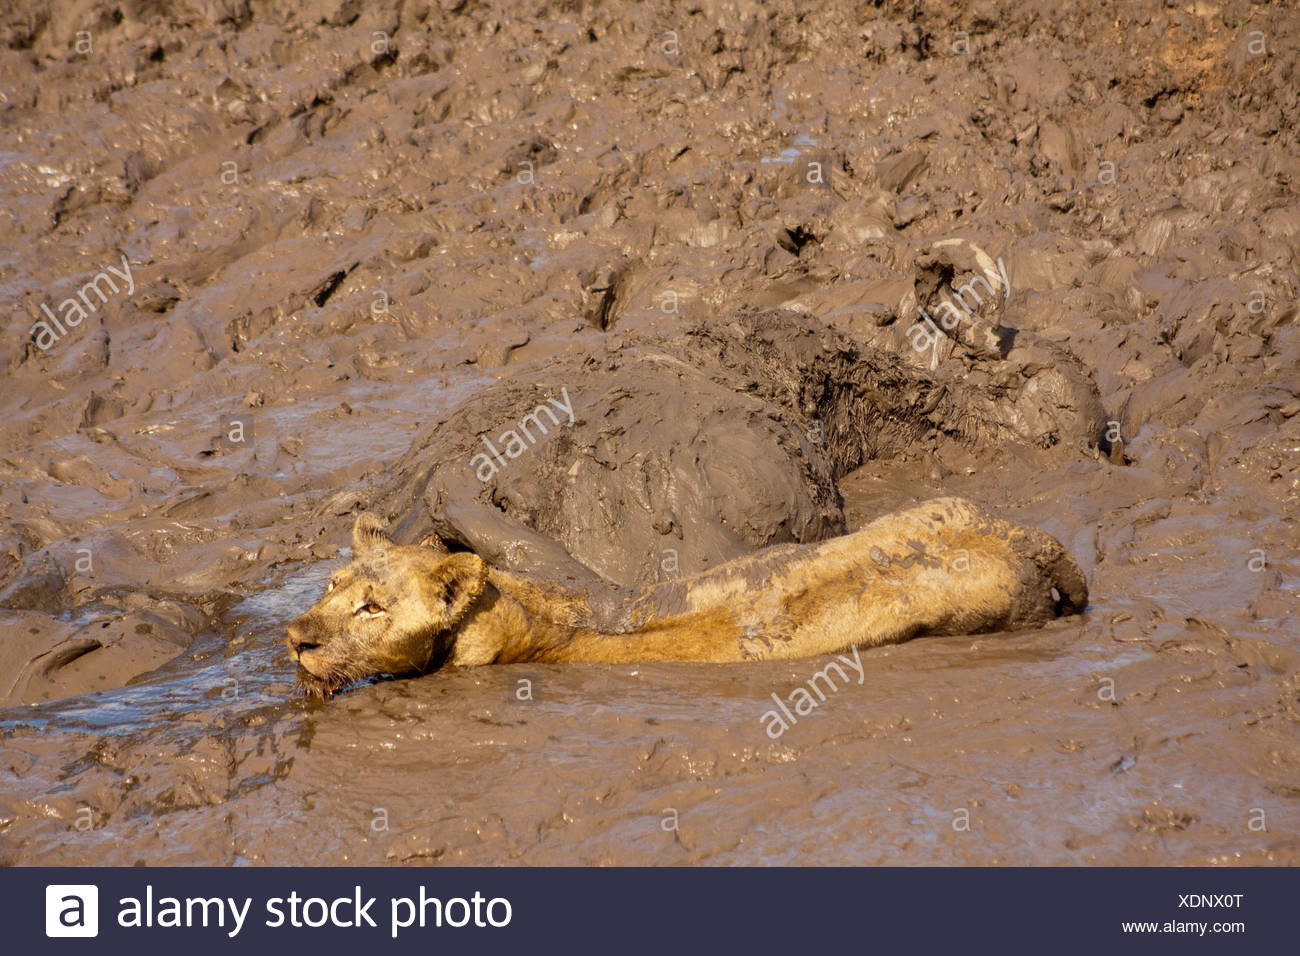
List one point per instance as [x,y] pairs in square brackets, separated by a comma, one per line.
[346,220]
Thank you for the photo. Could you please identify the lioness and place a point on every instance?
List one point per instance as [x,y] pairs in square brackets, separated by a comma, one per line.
[943,567]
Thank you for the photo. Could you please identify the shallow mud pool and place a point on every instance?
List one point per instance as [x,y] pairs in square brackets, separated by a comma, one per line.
[333,227]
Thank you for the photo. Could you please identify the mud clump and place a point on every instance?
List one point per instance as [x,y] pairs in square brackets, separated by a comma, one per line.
[669,456]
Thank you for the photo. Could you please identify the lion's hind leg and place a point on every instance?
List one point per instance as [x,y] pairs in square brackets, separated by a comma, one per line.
[947,566]
[1056,568]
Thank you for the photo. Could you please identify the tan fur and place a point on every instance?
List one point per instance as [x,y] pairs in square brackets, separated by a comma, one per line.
[943,567]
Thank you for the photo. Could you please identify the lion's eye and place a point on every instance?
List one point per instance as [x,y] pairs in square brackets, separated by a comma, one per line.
[370,610]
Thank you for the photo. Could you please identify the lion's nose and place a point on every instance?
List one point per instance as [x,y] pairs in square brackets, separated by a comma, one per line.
[299,641]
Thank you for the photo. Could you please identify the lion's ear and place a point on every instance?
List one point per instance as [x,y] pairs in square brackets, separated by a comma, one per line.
[368,535]
[434,543]
[457,582]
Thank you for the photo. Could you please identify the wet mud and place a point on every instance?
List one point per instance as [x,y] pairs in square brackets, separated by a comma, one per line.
[675,454]
[264,268]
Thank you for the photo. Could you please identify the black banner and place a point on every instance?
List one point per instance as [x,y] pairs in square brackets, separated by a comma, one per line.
[641,910]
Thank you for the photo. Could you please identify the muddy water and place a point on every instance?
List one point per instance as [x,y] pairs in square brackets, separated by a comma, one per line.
[343,222]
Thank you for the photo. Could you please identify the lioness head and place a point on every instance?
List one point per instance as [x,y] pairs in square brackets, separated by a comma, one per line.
[386,612]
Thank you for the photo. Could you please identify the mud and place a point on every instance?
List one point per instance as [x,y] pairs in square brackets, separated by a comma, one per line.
[362,236]
[675,454]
